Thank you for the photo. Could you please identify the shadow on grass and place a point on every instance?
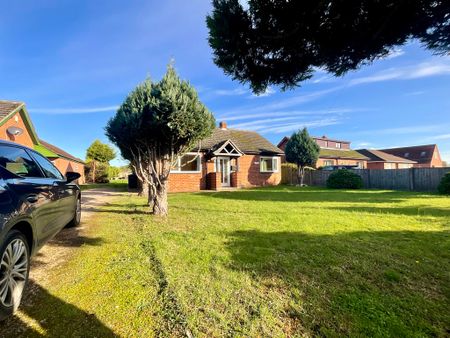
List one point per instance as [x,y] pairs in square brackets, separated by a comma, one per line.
[419,210]
[359,283]
[52,316]
[292,194]
[122,211]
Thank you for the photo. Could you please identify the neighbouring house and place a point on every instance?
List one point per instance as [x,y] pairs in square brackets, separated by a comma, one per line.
[381,160]
[16,126]
[425,156]
[228,158]
[334,152]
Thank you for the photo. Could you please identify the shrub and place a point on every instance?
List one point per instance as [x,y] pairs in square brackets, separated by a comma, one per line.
[344,179]
[444,186]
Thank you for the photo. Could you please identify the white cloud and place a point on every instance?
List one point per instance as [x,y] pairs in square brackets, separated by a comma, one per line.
[84,110]
[269,91]
[424,69]
[442,137]
[363,144]
[290,127]
[396,52]
[276,113]
[415,93]
[230,92]
[420,129]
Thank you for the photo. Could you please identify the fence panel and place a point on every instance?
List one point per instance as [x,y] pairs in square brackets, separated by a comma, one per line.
[417,179]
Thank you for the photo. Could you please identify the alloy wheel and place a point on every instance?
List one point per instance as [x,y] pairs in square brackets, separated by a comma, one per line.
[13,273]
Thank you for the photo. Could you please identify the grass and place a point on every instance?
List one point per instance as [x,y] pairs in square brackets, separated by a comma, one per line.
[279,261]
[118,185]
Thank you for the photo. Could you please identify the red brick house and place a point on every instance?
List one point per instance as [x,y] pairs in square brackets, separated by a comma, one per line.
[425,156]
[229,158]
[16,126]
[334,152]
[381,160]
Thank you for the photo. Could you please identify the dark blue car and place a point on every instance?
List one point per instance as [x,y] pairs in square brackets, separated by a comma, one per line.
[36,202]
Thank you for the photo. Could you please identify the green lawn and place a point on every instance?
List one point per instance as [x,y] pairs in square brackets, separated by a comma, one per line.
[279,261]
[119,185]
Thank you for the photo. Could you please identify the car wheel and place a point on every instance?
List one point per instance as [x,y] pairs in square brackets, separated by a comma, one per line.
[14,269]
[76,220]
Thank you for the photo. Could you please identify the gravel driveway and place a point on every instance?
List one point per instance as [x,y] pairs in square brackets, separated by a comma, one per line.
[57,250]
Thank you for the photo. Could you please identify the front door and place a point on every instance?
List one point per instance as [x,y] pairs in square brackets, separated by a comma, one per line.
[224,170]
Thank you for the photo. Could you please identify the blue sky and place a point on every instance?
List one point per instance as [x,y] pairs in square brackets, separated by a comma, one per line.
[73,63]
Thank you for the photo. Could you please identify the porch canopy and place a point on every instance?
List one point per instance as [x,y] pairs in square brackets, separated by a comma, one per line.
[225,148]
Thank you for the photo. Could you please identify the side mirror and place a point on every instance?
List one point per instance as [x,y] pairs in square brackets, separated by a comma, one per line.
[72,176]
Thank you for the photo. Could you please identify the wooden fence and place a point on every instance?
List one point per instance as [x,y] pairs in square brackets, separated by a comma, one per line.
[414,179]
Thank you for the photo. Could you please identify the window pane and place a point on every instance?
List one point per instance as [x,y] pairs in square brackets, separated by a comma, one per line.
[189,163]
[49,169]
[18,162]
[266,164]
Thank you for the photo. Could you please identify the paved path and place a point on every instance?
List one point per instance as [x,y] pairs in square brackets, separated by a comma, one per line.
[59,249]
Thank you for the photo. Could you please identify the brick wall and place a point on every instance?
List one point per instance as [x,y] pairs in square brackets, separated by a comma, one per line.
[16,121]
[183,182]
[65,165]
[249,174]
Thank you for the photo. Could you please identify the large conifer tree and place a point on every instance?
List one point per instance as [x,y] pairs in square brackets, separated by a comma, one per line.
[157,123]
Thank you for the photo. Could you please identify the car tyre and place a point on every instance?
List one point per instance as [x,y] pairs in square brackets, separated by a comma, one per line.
[76,220]
[14,271]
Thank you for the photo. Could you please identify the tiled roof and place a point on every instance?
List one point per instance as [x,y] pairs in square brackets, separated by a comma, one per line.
[381,156]
[249,142]
[60,152]
[7,107]
[341,153]
[420,154]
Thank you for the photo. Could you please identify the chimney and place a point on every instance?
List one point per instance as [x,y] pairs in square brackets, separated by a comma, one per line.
[223,125]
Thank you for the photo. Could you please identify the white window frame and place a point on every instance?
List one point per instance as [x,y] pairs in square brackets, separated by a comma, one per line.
[199,165]
[275,164]
[328,163]
[338,145]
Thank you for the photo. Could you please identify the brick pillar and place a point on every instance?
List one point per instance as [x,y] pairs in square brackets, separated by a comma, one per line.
[234,179]
[213,181]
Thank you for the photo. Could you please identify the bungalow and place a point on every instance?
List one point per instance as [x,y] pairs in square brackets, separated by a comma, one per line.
[334,152]
[16,126]
[228,158]
[380,160]
[425,156]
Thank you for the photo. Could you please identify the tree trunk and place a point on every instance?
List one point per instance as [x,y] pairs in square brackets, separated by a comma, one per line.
[300,175]
[143,189]
[161,205]
[93,171]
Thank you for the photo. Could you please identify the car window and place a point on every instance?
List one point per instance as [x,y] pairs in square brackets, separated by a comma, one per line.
[17,161]
[49,169]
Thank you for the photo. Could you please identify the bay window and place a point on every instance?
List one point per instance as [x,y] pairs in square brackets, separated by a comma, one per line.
[188,163]
[268,164]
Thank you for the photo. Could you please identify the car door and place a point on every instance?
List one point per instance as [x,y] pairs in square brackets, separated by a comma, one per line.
[66,191]
[35,193]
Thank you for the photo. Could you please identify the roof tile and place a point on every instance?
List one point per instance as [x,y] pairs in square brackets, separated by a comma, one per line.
[247,141]
[7,107]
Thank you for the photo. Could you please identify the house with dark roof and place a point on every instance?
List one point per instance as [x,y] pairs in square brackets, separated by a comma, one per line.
[425,156]
[229,158]
[378,159]
[16,126]
[334,152]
